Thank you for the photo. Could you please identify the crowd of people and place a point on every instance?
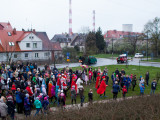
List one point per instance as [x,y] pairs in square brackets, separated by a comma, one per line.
[25,87]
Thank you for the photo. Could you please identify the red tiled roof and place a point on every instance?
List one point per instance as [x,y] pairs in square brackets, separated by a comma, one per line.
[6,26]
[5,39]
[118,34]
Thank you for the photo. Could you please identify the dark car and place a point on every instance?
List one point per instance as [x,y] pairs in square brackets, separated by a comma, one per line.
[88,60]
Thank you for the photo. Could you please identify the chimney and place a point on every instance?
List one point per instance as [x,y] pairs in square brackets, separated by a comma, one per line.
[14,31]
[34,31]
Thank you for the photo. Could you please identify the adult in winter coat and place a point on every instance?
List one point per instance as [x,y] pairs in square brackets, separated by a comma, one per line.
[10,104]
[102,87]
[49,90]
[3,108]
[116,88]
[27,105]
[134,79]
[19,101]
[147,78]
[29,90]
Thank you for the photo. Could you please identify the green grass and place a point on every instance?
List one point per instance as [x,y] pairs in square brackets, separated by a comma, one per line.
[105,55]
[130,70]
[154,60]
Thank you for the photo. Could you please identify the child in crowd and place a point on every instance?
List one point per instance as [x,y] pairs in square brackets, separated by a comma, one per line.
[142,88]
[90,96]
[124,91]
[73,95]
[45,105]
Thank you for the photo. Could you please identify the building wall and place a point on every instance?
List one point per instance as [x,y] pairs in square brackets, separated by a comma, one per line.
[42,55]
[31,39]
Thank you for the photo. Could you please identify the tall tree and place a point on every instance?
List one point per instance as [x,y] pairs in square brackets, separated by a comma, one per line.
[100,43]
[90,45]
[152,28]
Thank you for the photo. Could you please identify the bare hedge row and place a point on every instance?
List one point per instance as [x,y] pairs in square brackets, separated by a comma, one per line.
[141,108]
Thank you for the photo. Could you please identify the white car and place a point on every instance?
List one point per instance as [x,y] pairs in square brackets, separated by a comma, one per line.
[138,55]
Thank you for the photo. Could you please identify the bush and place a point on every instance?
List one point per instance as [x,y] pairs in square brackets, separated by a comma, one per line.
[141,108]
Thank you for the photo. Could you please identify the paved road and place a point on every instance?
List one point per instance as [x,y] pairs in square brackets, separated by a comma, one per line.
[104,61]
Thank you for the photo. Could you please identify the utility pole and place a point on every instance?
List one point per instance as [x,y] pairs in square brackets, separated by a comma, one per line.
[147,46]
[112,48]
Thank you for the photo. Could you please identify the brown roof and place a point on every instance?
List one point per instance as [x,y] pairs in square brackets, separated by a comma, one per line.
[47,44]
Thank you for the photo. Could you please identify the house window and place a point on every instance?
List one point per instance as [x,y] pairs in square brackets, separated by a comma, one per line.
[15,55]
[46,54]
[31,37]
[11,43]
[34,45]
[9,34]
[27,45]
[36,55]
[26,55]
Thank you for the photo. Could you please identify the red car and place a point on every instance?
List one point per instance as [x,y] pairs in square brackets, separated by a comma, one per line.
[122,58]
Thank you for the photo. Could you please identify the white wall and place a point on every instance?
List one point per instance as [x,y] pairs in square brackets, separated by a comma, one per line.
[31,38]
[31,56]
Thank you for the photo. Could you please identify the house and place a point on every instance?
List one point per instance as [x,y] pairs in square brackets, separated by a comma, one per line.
[66,40]
[114,34]
[25,45]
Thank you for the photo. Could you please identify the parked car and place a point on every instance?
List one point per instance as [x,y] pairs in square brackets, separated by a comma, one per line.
[138,55]
[88,60]
[122,58]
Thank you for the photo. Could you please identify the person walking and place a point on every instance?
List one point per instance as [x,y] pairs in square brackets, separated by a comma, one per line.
[38,105]
[153,86]
[116,89]
[147,78]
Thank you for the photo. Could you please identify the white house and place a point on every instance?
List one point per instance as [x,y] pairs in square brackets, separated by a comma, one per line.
[26,45]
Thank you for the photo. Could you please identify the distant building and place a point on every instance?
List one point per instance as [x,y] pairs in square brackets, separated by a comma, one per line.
[25,45]
[114,34]
[66,40]
[127,27]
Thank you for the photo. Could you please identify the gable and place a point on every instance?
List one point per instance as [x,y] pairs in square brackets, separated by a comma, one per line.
[31,38]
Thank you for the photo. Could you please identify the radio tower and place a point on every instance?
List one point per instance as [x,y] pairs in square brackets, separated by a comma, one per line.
[70,17]
[93,20]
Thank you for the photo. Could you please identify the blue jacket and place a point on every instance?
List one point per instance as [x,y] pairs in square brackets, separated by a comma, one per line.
[18,97]
[116,88]
[142,88]
[126,81]
[45,103]
[26,104]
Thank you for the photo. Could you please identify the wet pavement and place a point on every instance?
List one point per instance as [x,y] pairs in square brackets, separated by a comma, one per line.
[104,61]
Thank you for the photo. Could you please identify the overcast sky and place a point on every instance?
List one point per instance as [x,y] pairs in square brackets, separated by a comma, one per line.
[52,15]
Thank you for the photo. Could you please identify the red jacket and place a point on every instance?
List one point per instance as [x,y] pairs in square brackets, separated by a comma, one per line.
[97,81]
[13,87]
[29,91]
[102,88]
